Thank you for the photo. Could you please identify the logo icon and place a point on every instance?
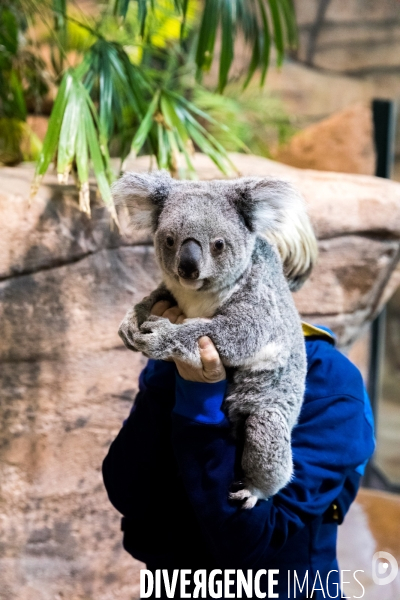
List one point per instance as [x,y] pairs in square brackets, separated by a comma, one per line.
[384,568]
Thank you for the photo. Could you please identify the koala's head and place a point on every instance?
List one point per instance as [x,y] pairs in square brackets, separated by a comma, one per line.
[204,232]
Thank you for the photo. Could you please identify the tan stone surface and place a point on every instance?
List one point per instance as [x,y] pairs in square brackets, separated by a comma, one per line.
[356,58]
[341,143]
[67,382]
[367,11]
[345,11]
[362,60]
[310,95]
[51,230]
[350,275]
[354,34]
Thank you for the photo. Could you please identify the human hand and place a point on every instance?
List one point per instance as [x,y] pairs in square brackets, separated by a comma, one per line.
[212,369]
[165,310]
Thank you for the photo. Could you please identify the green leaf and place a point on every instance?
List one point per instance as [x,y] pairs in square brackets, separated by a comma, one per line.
[207,35]
[247,19]
[182,146]
[82,161]
[121,7]
[192,108]
[16,94]
[254,63]
[168,109]
[145,125]
[185,4]
[163,149]
[106,93]
[8,31]
[215,144]
[278,33]
[207,148]
[174,152]
[266,44]
[209,142]
[53,130]
[69,130]
[97,158]
[228,32]
[142,14]
[290,22]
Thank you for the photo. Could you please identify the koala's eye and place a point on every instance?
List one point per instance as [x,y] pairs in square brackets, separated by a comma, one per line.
[219,245]
[170,241]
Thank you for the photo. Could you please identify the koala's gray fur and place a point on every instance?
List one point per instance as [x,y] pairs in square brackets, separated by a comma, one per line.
[239,297]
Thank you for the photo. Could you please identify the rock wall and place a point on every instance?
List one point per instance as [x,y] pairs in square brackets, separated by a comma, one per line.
[341,143]
[352,37]
[67,382]
[348,52]
[66,385]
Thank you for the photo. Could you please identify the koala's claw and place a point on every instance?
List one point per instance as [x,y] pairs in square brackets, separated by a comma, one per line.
[245,496]
[126,334]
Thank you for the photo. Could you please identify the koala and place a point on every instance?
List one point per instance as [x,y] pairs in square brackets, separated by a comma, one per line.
[230,253]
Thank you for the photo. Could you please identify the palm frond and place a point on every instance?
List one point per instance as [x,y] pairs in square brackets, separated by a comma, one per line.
[146,125]
[74,135]
[115,103]
[260,22]
[120,90]
[175,122]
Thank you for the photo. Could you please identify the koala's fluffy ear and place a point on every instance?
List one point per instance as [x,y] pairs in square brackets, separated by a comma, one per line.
[274,209]
[143,195]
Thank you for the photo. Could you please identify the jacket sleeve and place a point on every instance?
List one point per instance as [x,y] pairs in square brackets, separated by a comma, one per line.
[333,437]
[140,461]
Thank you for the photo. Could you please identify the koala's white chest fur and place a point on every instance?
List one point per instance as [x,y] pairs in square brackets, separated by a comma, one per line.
[197,304]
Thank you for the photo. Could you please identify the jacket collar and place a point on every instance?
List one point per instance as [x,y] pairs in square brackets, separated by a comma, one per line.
[318,331]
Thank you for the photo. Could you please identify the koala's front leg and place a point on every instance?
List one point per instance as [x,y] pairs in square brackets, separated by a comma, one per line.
[267,457]
[140,313]
[160,339]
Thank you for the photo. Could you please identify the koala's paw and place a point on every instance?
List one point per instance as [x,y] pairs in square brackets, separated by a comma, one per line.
[153,338]
[127,330]
[245,496]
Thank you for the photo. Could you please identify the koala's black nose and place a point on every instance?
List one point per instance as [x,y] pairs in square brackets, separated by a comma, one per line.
[189,259]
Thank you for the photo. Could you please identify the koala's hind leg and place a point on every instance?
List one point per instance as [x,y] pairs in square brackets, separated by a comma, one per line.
[267,456]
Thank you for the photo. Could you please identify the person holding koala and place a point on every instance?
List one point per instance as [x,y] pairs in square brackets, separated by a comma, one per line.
[171,469]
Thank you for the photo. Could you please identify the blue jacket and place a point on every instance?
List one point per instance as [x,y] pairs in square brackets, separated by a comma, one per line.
[170,468]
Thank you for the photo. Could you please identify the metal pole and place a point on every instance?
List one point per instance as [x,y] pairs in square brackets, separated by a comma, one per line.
[384,132]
